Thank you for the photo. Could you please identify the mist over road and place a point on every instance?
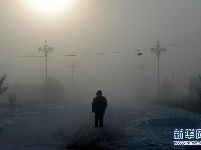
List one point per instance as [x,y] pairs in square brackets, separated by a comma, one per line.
[63,126]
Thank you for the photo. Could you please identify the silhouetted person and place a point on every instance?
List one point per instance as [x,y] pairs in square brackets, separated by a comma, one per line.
[99,105]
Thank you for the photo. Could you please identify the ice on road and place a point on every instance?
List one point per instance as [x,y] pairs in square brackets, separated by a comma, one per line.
[64,126]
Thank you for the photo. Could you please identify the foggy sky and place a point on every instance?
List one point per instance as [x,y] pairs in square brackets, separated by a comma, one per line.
[94,26]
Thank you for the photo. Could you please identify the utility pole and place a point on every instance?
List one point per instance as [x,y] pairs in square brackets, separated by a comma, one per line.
[142,67]
[174,87]
[46,50]
[72,66]
[158,51]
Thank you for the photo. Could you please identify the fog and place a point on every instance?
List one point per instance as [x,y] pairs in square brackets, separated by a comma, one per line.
[102,26]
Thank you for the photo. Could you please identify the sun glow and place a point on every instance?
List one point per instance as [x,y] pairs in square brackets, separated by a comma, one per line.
[51,5]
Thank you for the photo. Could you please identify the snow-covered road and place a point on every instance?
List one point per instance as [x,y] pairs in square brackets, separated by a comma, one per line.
[64,126]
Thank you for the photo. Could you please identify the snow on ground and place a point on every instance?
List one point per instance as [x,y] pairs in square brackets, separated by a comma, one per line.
[63,126]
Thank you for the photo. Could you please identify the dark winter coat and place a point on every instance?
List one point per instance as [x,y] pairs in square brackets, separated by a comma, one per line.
[99,105]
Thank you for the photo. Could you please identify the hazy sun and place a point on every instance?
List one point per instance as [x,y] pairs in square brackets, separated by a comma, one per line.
[51,5]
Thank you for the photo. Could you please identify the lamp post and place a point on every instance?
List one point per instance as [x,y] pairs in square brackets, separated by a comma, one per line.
[142,66]
[158,51]
[46,50]
[72,66]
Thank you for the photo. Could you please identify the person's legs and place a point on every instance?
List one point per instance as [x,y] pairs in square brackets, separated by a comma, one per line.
[101,120]
[96,119]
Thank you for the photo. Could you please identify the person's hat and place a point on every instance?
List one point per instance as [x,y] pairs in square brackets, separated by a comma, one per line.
[99,92]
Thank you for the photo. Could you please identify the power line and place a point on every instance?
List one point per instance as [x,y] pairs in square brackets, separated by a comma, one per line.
[196,53]
[137,52]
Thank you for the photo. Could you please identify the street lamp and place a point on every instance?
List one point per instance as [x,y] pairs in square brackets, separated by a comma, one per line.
[46,50]
[158,51]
